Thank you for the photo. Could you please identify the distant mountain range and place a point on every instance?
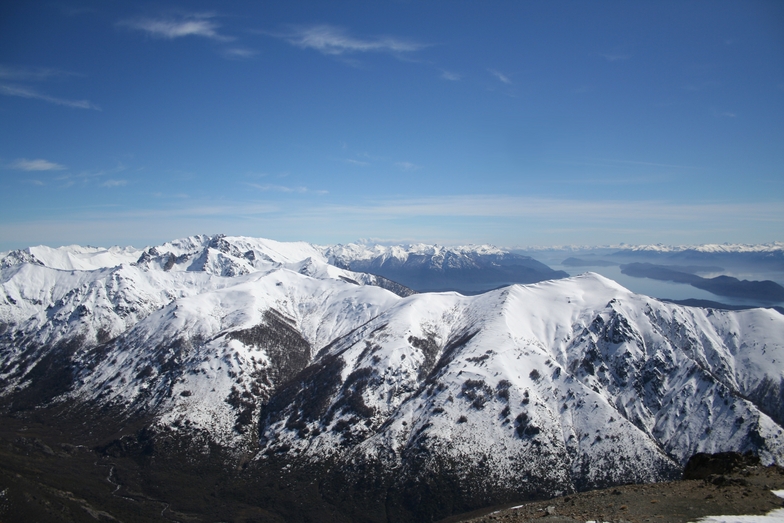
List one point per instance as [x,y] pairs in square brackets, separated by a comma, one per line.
[328,388]
[753,273]
[708,248]
[468,269]
[766,257]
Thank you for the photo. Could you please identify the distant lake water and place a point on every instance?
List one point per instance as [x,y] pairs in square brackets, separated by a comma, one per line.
[666,289]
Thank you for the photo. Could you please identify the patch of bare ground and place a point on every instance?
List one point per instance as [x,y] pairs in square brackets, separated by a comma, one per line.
[743,491]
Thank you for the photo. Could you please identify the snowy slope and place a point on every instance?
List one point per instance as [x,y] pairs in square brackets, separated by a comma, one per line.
[209,361]
[264,348]
[45,292]
[218,255]
[571,383]
[72,257]
[49,312]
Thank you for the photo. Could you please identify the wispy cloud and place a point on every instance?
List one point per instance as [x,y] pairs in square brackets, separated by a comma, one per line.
[559,209]
[407,166]
[239,53]
[627,180]
[649,164]
[501,76]
[32,74]
[115,183]
[496,218]
[331,40]
[448,75]
[199,24]
[358,163]
[24,164]
[175,196]
[284,188]
[88,177]
[26,92]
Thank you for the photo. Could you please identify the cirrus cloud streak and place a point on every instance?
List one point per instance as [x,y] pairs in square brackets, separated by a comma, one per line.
[23,164]
[26,92]
[331,40]
[169,28]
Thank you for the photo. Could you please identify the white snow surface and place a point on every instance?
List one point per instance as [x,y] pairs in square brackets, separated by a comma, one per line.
[75,257]
[369,251]
[774,516]
[53,296]
[577,377]
[195,333]
[713,247]
[611,384]
[659,247]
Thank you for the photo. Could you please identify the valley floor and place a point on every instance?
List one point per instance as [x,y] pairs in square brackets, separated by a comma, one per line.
[744,492]
[45,476]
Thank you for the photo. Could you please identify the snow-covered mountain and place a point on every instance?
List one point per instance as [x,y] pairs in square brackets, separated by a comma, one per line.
[468,269]
[714,247]
[764,261]
[55,316]
[561,385]
[289,363]
[662,248]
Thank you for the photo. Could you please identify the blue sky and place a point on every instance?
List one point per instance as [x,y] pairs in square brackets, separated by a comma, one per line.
[514,123]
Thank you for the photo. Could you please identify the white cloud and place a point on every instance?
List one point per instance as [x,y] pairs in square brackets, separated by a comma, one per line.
[114,183]
[448,75]
[358,163]
[25,92]
[239,53]
[605,161]
[408,166]
[560,210]
[501,76]
[24,164]
[191,25]
[332,40]
[31,74]
[284,188]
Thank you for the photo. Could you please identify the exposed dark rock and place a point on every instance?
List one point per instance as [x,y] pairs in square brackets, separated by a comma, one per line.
[288,351]
[701,466]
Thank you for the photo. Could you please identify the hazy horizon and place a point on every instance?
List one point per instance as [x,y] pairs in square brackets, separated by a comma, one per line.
[514,124]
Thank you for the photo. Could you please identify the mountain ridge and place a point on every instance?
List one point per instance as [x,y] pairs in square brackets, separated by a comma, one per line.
[436,402]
